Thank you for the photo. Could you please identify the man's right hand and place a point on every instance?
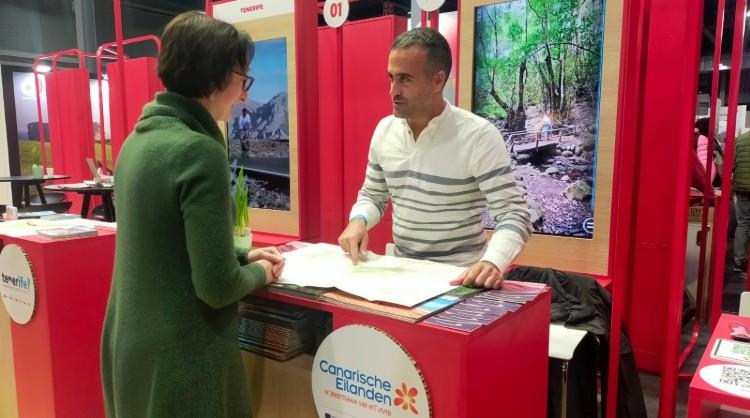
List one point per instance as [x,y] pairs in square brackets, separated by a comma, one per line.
[354,240]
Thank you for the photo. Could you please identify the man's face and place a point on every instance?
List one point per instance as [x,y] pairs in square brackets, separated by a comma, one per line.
[413,83]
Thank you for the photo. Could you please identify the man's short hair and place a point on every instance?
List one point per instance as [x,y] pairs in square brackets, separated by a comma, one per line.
[199,53]
[438,50]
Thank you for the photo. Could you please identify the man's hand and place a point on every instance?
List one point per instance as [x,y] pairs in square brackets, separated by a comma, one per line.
[354,240]
[271,260]
[480,274]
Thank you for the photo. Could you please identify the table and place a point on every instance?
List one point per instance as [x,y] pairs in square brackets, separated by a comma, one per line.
[87,191]
[562,346]
[705,400]
[26,181]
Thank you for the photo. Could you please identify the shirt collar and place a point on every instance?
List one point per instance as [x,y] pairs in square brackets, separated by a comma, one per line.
[437,119]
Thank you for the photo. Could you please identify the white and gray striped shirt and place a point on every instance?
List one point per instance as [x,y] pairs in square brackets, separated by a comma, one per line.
[439,186]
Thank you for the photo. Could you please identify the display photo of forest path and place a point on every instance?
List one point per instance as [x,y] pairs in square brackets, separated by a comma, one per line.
[537,72]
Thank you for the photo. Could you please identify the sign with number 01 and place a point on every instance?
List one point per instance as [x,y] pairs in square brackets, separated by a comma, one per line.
[335,12]
[430,5]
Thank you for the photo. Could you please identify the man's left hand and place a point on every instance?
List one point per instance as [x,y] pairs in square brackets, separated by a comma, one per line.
[480,274]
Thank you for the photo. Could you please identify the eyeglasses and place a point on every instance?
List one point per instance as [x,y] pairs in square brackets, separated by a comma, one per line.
[247,80]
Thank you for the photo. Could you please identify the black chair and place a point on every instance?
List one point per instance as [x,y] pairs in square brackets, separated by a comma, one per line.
[55,202]
[98,213]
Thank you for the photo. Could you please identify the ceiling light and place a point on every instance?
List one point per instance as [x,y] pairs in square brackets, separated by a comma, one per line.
[42,68]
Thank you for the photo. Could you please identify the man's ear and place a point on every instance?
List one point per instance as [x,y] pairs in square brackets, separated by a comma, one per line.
[440,80]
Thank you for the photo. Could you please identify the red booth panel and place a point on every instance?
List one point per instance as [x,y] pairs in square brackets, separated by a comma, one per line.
[70,126]
[332,204]
[366,46]
[141,84]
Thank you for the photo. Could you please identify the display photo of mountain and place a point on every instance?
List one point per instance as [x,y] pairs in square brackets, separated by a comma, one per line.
[258,132]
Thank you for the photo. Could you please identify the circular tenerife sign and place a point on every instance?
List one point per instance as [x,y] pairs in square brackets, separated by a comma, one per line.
[17,284]
[361,372]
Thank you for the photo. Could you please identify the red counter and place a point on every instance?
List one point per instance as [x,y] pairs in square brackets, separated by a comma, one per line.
[56,354]
[499,370]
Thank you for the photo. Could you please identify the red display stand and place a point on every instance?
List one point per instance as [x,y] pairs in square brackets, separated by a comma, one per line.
[56,354]
[499,370]
[142,83]
[704,400]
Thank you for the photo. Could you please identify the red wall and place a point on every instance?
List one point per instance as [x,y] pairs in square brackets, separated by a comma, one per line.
[332,212]
[366,46]
[656,118]
[353,98]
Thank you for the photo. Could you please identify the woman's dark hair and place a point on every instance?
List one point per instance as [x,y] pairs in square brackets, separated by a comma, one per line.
[199,53]
[702,125]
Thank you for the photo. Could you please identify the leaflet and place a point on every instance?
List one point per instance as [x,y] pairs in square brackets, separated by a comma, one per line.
[397,280]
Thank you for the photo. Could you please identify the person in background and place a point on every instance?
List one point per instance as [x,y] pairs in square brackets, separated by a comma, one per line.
[440,166]
[245,131]
[169,344]
[741,188]
[546,125]
[701,146]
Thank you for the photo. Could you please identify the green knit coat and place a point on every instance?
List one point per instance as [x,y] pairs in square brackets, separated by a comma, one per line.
[741,179]
[169,344]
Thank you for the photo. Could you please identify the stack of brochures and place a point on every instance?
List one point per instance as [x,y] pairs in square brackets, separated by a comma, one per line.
[307,292]
[35,214]
[67,232]
[277,330]
[402,313]
[487,307]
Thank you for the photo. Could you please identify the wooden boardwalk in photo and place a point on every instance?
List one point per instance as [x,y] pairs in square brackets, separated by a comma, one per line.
[536,141]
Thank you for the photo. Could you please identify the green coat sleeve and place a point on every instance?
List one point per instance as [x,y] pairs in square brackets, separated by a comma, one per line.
[203,188]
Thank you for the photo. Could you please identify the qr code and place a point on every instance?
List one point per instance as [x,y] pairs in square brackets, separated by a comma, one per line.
[741,349]
[735,376]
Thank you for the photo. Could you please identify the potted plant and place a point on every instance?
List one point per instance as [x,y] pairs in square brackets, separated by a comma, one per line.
[37,171]
[242,235]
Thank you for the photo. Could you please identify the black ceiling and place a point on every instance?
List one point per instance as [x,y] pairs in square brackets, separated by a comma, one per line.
[709,28]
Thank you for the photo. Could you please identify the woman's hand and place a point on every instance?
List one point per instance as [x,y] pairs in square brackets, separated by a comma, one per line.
[268,253]
[271,260]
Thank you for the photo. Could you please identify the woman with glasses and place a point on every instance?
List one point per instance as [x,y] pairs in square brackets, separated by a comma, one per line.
[169,345]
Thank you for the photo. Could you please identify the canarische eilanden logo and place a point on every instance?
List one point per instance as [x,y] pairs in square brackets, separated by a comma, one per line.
[405,398]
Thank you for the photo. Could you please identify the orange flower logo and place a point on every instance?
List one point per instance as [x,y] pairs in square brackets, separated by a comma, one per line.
[406,398]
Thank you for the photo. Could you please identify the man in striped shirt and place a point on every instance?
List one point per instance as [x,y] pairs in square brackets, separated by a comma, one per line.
[440,166]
